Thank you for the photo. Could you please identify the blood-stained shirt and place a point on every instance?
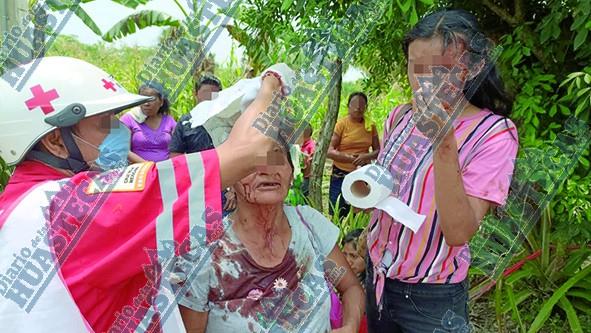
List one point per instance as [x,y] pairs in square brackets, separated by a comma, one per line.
[242,296]
[88,253]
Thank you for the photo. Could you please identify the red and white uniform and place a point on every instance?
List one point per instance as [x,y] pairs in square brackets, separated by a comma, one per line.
[80,254]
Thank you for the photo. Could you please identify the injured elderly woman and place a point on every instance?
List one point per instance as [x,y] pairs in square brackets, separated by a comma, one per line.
[273,267]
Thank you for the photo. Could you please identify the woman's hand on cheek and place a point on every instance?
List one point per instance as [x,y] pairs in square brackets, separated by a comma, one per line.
[432,117]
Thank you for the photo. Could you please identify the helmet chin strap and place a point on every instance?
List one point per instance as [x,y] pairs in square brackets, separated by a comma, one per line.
[73,162]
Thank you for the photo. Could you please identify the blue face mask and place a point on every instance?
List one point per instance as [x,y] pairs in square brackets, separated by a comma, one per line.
[114,149]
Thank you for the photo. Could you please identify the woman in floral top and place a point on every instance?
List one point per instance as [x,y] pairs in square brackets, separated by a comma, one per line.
[269,270]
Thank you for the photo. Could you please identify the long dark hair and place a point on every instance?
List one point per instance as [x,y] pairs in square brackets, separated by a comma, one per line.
[454,24]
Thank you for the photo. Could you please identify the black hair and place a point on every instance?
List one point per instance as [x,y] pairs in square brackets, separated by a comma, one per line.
[352,236]
[208,80]
[454,24]
[165,108]
[357,93]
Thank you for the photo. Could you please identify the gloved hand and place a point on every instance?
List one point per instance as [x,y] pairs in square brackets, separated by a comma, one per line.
[219,115]
[287,77]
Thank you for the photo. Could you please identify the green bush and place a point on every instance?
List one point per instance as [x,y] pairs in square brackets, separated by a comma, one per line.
[543,281]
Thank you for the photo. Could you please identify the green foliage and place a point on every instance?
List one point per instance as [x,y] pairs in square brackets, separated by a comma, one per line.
[131,3]
[545,65]
[560,294]
[76,9]
[353,220]
[276,29]
[530,294]
[139,20]
[555,248]
[572,209]
[5,173]
[579,93]
[381,55]
[123,63]
[126,26]
[295,196]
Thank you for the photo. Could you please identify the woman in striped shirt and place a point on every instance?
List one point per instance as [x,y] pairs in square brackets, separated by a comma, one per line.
[417,282]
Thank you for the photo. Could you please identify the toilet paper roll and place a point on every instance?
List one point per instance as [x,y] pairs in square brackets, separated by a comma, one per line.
[376,194]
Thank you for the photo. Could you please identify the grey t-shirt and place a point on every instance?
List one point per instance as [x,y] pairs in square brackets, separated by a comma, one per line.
[242,296]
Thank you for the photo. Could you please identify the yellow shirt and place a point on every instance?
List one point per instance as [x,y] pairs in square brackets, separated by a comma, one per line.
[355,139]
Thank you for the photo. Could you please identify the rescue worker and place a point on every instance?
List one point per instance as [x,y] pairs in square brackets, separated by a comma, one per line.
[84,250]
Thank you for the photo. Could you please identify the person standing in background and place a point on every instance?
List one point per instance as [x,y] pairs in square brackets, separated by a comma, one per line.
[151,126]
[350,148]
[308,148]
[186,140]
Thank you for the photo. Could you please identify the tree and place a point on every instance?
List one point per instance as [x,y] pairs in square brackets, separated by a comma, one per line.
[283,31]
[125,27]
[326,134]
[12,10]
[381,55]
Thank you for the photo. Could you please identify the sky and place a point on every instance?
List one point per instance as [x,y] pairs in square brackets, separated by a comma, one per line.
[106,13]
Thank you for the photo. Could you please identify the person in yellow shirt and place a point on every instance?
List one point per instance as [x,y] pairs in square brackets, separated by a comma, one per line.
[350,148]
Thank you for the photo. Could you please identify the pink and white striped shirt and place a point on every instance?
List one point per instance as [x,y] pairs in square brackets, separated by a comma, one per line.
[487,147]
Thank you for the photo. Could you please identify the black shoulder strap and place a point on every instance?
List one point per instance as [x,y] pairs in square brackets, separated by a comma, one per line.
[75,162]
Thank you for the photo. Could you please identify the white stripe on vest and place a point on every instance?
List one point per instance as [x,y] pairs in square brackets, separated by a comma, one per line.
[25,265]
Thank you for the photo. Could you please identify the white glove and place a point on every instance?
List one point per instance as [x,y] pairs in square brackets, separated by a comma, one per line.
[219,115]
